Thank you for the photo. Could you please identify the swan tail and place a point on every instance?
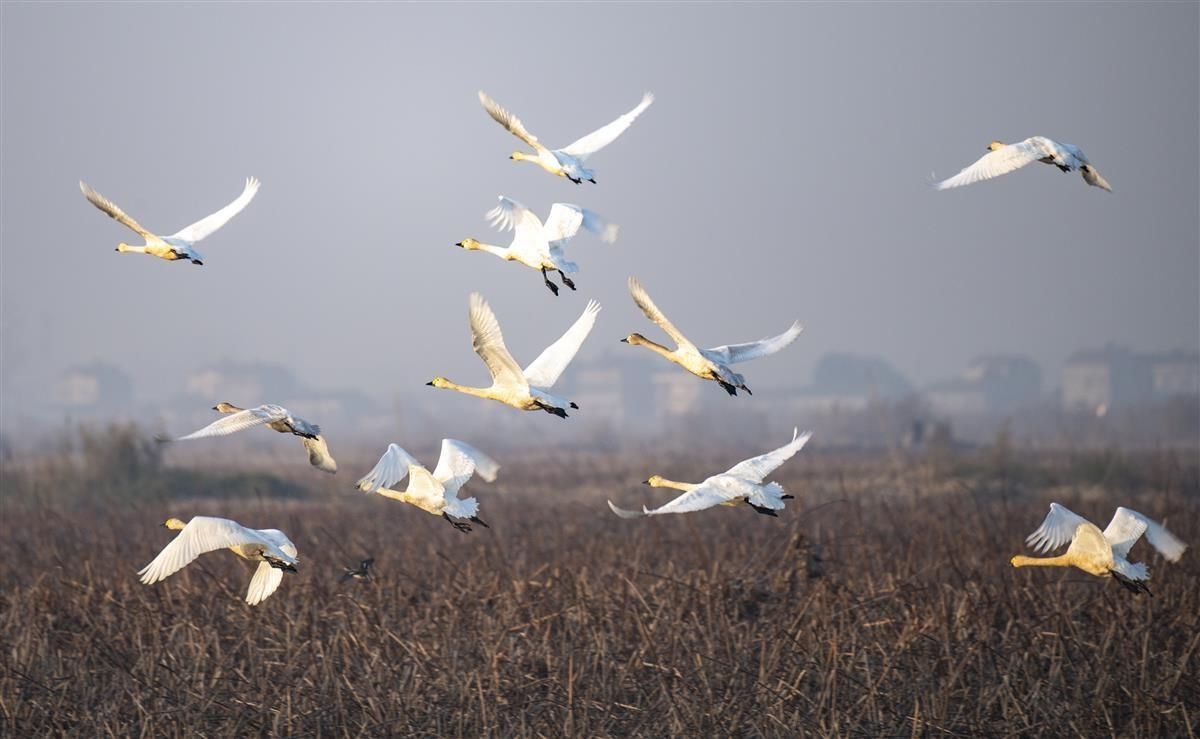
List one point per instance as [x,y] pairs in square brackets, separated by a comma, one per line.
[462,507]
[769,496]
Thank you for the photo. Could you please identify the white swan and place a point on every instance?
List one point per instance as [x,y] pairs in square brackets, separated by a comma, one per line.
[522,389]
[180,245]
[273,417]
[1004,158]
[435,493]
[540,246]
[708,364]
[1100,553]
[205,534]
[742,482]
[568,161]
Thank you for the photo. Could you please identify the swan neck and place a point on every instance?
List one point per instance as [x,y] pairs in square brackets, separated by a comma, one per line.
[478,392]
[1060,561]
[655,347]
[684,486]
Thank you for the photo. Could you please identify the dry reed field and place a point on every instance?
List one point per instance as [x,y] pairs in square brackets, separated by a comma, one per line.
[880,603]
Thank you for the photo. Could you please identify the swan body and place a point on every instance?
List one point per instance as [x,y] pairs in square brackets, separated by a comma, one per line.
[435,492]
[1004,158]
[204,534]
[526,389]
[179,245]
[539,245]
[1096,552]
[276,418]
[741,483]
[707,364]
[570,160]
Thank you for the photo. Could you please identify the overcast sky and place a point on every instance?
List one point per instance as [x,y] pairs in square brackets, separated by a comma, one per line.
[782,173]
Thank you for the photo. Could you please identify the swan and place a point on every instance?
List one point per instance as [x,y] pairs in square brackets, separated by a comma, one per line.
[435,493]
[742,482]
[1004,158]
[568,161]
[522,389]
[204,534]
[273,417]
[540,246]
[707,364]
[180,245]
[361,573]
[1096,552]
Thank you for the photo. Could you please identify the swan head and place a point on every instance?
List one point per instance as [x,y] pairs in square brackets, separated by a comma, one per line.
[634,339]
[224,407]
[439,382]
[174,524]
[518,156]
[996,145]
[655,481]
[122,246]
[468,244]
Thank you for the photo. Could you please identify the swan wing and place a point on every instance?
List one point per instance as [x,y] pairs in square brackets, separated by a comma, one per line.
[757,468]
[1058,529]
[318,454]
[642,298]
[1001,161]
[544,371]
[458,461]
[733,353]
[391,468]
[201,535]
[602,137]
[239,421]
[566,219]
[206,226]
[265,581]
[1127,526]
[705,495]
[113,211]
[488,343]
[528,239]
[508,120]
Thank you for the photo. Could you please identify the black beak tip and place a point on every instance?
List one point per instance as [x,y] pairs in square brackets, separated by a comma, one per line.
[458,243]
[645,482]
[430,384]
[624,341]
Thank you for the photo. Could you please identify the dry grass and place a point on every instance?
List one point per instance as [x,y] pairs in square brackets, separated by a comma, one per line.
[564,620]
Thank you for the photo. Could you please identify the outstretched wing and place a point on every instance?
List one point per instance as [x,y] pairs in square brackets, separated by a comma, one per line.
[510,214]
[1127,526]
[602,137]
[391,468]
[318,454]
[544,371]
[265,581]
[705,495]
[508,120]
[458,461]
[566,219]
[1058,529]
[757,468]
[642,298]
[112,210]
[202,534]
[239,421]
[995,163]
[206,226]
[488,343]
[733,353]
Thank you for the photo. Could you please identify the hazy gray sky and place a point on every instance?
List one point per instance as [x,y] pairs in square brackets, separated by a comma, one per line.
[782,173]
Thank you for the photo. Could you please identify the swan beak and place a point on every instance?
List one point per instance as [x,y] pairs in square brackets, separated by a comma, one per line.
[214,408]
[645,482]
[458,243]
[430,384]
[624,341]
[510,156]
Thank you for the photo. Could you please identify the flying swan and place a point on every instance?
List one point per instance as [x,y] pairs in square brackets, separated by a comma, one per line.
[276,418]
[568,161]
[1100,553]
[707,364]
[522,389]
[1004,158]
[435,493]
[179,245]
[204,534]
[539,245]
[742,482]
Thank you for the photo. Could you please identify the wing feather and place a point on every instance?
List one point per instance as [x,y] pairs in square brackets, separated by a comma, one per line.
[458,461]
[113,210]
[1056,530]
[265,581]
[642,298]
[207,225]
[757,468]
[488,343]
[734,353]
[239,421]
[201,535]
[508,120]
[699,498]
[1127,526]
[602,137]
[391,468]
[544,371]
[318,454]
[999,162]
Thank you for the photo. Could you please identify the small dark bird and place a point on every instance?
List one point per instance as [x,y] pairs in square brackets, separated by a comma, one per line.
[362,573]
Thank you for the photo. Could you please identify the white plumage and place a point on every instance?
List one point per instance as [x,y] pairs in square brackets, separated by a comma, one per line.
[1004,158]
[276,418]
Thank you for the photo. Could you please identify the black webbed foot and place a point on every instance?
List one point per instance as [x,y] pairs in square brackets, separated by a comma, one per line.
[197,261]
[727,387]
[762,510]
[743,387]
[787,497]
[549,284]
[592,180]
[566,280]
[574,179]
[1133,586]
[574,406]
[461,526]
[478,520]
[552,410]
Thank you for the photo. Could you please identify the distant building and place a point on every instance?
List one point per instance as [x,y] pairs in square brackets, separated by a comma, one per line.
[241,383]
[990,384]
[1102,379]
[957,397]
[849,375]
[94,387]
[1175,374]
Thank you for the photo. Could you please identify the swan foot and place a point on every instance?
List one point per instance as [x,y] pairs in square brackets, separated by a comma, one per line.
[743,387]
[762,510]
[461,526]
[576,180]
[787,497]
[279,564]
[549,284]
[1133,586]
[592,180]
[727,387]
[197,261]
[573,405]
[551,409]
[480,521]
[566,280]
